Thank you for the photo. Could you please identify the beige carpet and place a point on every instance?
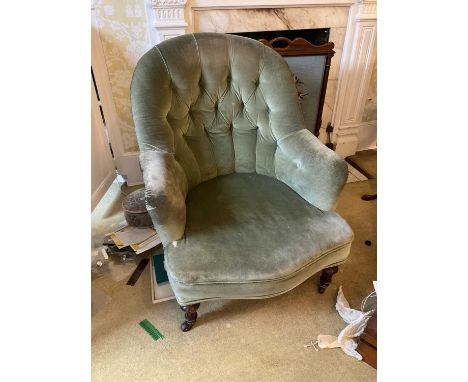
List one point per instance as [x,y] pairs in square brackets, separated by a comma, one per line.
[365,161]
[249,340]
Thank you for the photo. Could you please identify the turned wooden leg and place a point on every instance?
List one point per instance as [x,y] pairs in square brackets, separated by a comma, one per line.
[326,277]
[367,197]
[190,316]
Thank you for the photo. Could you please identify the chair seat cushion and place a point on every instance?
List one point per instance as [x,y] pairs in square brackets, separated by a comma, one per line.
[251,236]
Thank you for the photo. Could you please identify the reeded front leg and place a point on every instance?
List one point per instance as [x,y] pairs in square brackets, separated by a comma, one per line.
[326,278]
[190,316]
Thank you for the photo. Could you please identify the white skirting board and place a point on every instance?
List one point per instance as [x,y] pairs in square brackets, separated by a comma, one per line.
[160,292]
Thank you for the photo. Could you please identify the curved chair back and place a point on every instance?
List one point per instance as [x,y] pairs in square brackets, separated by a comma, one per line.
[218,103]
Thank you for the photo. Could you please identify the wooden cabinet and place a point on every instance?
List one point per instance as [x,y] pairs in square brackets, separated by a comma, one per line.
[368,343]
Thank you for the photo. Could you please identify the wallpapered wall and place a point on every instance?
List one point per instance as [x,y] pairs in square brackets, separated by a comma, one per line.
[124,36]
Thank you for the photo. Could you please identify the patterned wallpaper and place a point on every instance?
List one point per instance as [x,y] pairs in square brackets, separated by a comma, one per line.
[124,35]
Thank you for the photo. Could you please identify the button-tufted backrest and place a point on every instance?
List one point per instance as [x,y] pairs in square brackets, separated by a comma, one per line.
[218,102]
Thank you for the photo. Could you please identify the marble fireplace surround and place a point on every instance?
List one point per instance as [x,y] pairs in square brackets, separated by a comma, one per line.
[352,26]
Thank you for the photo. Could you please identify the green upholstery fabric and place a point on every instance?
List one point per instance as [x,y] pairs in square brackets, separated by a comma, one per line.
[250,228]
[207,108]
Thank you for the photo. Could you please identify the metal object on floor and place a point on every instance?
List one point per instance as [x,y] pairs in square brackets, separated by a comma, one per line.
[329,131]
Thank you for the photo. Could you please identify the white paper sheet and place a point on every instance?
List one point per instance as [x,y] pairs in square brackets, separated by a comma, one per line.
[133,235]
[147,244]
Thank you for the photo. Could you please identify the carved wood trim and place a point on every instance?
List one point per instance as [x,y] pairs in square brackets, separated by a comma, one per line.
[301,47]
[298,47]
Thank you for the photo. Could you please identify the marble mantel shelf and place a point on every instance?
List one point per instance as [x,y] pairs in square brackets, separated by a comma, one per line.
[247,4]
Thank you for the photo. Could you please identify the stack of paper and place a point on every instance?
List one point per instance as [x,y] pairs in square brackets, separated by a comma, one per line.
[133,239]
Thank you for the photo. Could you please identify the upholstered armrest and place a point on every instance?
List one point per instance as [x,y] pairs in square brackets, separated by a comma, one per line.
[165,190]
[311,169]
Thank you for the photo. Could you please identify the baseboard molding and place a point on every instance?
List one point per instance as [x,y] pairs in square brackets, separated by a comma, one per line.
[102,189]
[346,144]
[367,136]
[356,137]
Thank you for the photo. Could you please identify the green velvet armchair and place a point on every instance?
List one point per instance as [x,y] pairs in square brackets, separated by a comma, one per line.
[240,192]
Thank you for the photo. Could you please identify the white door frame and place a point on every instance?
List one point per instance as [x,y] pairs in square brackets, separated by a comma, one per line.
[127,163]
[102,165]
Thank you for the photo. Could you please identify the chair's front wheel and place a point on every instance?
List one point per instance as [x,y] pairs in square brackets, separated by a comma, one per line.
[190,316]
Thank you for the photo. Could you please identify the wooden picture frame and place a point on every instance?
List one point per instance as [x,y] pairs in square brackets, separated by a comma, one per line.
[159,292]
[301,47]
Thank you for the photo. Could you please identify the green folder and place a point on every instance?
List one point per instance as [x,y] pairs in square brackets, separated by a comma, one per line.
[159,271]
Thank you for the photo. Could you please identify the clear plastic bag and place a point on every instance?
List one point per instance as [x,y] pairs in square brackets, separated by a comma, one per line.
[348,338]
